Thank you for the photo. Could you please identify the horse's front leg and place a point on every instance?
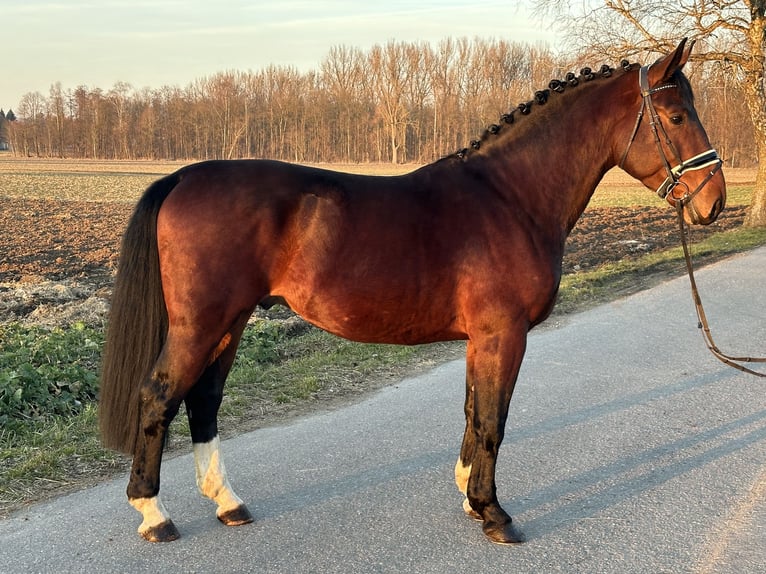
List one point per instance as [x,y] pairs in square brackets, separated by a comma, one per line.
[492,365]
[465,460]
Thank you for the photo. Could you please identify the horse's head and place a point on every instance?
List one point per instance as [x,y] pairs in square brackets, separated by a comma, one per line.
[668,149]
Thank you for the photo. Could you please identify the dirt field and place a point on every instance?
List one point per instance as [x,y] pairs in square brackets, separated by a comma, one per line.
[58,257]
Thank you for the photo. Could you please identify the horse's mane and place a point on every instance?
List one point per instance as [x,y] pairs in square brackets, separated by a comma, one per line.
[541,97]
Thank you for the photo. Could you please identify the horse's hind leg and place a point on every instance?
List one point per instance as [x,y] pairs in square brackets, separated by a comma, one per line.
[202,404]
[180,364]
[159,402]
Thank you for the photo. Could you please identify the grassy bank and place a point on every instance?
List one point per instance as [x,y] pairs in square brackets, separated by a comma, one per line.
[586,289]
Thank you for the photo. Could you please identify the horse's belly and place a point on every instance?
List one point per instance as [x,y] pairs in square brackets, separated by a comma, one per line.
[380,323]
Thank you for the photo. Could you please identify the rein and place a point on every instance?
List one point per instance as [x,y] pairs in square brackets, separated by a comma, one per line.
[672,182]
[702,323]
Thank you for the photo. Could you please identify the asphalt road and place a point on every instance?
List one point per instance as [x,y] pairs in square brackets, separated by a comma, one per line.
[629,449]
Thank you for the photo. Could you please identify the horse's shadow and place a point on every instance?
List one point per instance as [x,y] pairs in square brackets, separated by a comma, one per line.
[590,493]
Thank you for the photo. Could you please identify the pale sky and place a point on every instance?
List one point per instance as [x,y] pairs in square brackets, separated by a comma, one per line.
[154,43]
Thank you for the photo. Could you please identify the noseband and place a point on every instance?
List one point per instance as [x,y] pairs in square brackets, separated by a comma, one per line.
[673,179]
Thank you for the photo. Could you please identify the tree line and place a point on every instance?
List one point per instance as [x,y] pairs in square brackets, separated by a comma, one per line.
[397,102]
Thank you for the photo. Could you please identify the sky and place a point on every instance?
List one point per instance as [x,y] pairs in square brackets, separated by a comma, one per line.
[156,43]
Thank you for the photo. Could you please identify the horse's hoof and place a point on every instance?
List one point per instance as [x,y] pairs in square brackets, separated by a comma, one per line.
[236,516]
[164,532]
[505,533]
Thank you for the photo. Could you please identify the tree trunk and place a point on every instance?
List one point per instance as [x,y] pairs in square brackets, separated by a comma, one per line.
[394,144]
[755,92]
[756,213]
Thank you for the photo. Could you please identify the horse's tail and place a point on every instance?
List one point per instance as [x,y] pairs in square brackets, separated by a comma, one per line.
[138,322]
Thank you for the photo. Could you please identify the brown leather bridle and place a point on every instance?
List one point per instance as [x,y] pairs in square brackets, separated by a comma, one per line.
[673,180]
[671,183]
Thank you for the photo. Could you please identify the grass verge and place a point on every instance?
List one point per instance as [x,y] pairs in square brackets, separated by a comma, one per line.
[49,436]
[585,289]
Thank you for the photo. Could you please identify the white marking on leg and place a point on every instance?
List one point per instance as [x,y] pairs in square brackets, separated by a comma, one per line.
[462,474]
[468,509]
[152,510]
[211,476]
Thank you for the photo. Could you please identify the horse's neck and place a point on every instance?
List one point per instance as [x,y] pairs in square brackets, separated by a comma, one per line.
[551,166]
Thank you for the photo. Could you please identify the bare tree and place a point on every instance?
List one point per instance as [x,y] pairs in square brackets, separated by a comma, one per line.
[57,110]
[441,68]
[391,72]
[723,110]
[730,31]
[31,109]
[342,76]
[417,96]
[118,97]
[395,102]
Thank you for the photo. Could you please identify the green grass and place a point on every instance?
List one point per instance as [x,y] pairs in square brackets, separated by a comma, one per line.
[739,195]
[277,366]
[54,449]
[46,373]
[584,289]
[639,196]
[48,386]
[284,368]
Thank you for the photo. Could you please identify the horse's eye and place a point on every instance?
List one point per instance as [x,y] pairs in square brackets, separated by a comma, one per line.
[676,120]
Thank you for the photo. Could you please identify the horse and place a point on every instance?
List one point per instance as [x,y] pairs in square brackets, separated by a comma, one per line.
[468,247]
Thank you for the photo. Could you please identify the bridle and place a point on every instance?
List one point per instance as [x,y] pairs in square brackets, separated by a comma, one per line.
[673,181]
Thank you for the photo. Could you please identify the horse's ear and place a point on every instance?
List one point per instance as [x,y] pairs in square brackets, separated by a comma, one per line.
[664,68]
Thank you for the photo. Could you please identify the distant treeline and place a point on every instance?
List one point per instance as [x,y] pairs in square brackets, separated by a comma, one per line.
[398,102]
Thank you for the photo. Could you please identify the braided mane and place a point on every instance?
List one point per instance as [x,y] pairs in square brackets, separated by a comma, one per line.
[541,97]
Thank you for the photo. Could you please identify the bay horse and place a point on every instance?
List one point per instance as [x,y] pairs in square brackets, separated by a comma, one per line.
[466,248]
